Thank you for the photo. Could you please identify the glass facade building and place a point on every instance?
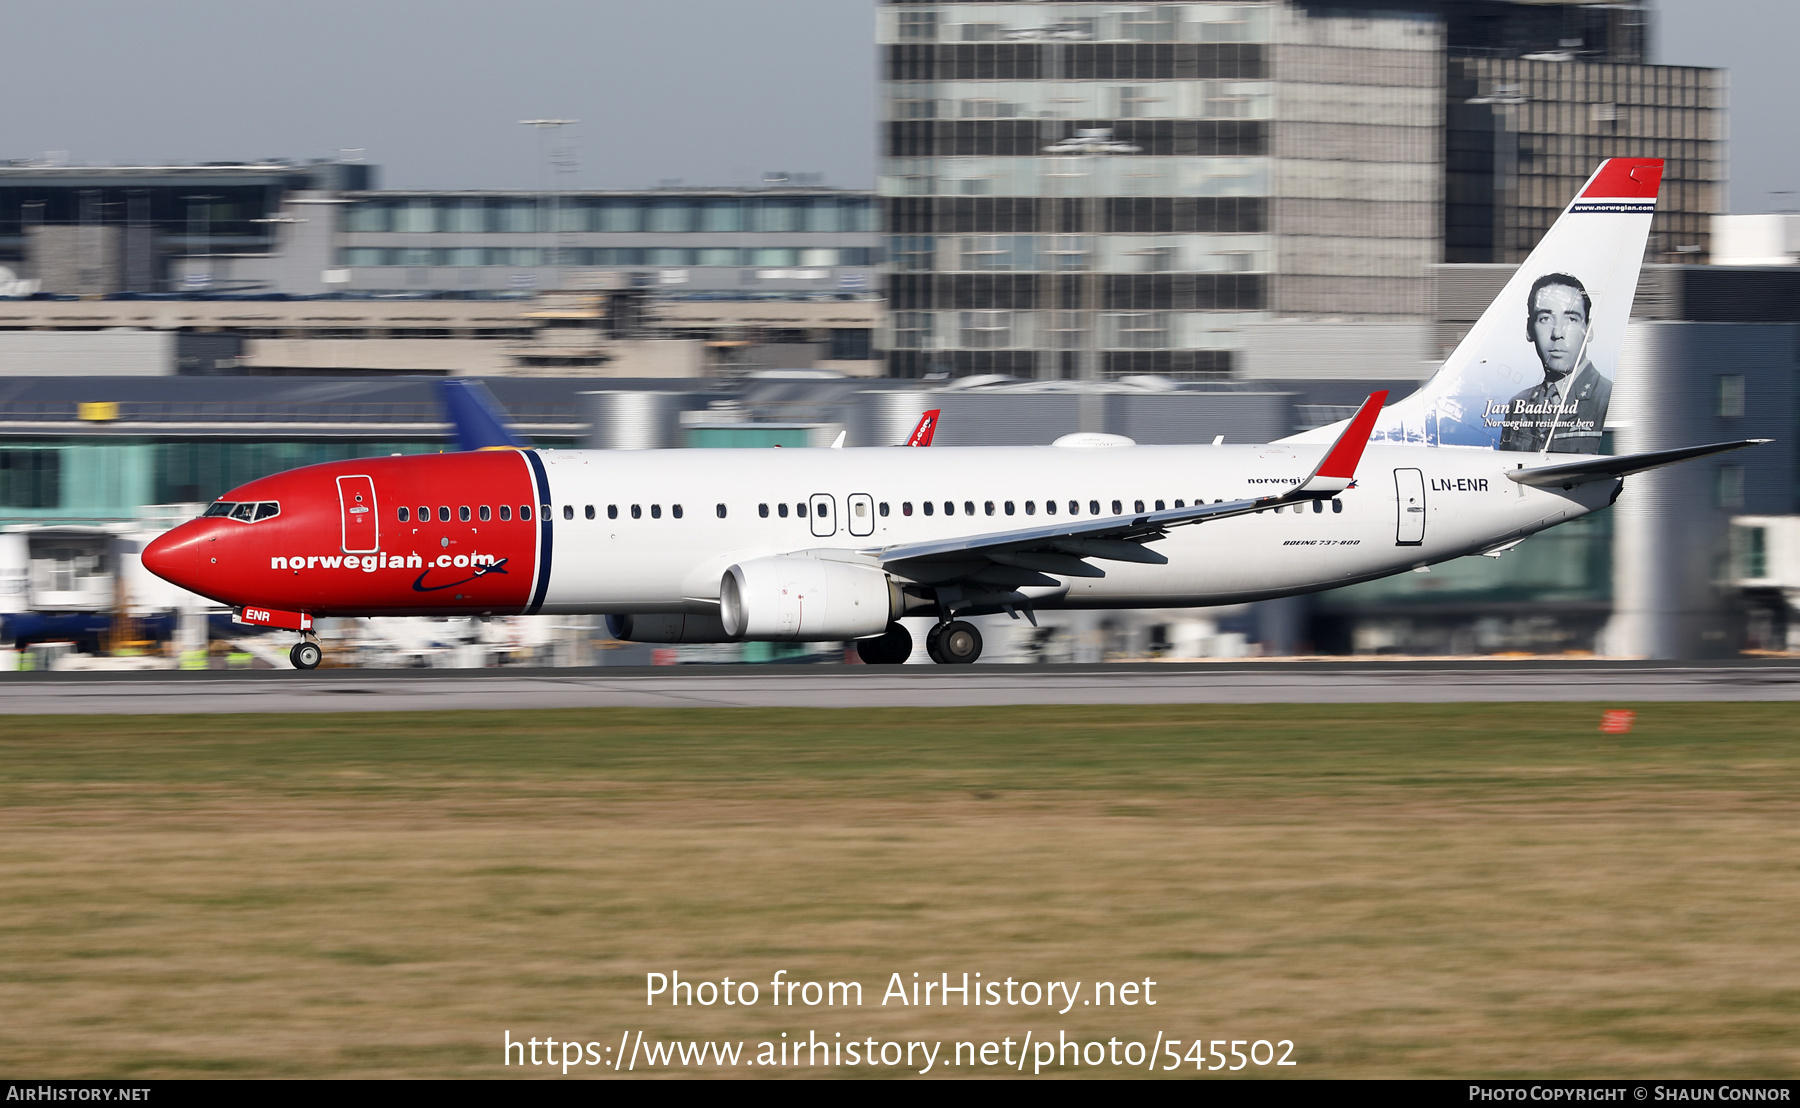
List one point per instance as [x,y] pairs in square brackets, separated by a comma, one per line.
[1524,133]
[1075,190]
[324,228]
[186,440]
[688,240]
[89,480]
[1096,191]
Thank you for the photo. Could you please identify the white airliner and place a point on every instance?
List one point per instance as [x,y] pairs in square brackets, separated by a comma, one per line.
[835,544]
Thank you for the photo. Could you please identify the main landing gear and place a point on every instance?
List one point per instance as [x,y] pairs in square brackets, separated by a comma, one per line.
[306,654]
[956,643]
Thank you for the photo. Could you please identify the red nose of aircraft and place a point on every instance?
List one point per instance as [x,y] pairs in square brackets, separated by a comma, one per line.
[175,555]
[368,537]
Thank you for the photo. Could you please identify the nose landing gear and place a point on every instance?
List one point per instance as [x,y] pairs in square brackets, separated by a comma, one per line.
[306,654]
[956,643]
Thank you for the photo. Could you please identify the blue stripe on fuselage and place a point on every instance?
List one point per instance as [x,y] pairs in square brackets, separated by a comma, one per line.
[542,585]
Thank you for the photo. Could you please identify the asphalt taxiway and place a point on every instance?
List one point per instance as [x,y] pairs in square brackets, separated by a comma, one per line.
[911,686]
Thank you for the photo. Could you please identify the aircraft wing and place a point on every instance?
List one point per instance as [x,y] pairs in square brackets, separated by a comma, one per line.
[478,419]
[1061,547]
[1603,467]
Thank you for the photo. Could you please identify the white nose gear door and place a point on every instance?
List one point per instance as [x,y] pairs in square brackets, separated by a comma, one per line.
[861,507]
[824,515]
[1409,497]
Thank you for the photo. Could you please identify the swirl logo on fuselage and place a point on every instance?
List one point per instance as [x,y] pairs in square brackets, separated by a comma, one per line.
[481,571]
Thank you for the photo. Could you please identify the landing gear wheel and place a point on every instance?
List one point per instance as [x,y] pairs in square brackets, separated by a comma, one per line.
[890,648]
[933,643]
[958,643]
[306,655]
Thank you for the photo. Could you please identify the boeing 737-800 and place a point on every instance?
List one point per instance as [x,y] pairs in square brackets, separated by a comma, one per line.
[835,544]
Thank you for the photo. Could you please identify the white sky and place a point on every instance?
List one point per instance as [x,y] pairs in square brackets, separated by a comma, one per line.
[704,91]
[1756,40]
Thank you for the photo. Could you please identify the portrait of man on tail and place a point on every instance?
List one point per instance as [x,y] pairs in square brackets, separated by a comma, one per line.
[1565,413]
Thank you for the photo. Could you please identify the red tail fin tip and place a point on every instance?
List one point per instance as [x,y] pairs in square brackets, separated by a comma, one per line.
[927,427]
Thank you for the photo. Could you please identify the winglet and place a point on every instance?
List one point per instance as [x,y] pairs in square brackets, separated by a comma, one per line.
[927,427]
[1338,468]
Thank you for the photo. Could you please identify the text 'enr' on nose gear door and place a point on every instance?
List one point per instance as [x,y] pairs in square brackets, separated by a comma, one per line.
[1409,496]
[824,515]
[362,525]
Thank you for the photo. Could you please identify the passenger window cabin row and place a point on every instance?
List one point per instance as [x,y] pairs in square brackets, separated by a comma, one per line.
[464,513]
[1051,507]
[1009,507]
[800,509]
[485,512]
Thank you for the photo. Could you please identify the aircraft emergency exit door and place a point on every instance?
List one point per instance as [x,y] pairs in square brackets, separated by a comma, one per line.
[824,515]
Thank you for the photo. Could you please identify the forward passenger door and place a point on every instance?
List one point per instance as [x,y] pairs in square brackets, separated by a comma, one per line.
[356,500]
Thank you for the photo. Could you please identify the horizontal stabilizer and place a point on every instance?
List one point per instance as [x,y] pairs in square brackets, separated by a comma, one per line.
[1607,467]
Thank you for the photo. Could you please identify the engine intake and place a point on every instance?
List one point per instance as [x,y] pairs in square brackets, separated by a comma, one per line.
[796,599]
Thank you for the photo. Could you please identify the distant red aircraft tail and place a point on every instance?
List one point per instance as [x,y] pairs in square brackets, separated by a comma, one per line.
[927,427]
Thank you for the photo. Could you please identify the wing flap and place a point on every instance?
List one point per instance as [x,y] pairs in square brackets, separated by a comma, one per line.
[1112,550]
[1120,529]
[1065,564]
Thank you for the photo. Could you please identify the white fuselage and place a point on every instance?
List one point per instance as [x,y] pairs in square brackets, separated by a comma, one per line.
[635,556]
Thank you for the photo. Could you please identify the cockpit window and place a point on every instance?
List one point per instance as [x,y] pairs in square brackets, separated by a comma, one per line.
[248,511]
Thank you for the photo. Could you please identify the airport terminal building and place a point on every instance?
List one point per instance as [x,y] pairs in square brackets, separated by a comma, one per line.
[275,268]
[324,227]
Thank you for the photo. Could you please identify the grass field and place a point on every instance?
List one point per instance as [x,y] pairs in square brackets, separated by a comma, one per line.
[1458,890]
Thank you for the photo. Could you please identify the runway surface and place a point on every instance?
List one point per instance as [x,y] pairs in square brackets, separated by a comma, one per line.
[922,686]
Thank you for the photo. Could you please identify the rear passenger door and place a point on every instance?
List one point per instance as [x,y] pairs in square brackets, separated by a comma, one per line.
[1409,498]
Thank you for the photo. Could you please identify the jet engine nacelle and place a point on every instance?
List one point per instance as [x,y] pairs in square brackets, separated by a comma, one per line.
[667,627]
[796,599]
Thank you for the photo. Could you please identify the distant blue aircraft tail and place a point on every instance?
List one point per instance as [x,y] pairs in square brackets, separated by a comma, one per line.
[478,419]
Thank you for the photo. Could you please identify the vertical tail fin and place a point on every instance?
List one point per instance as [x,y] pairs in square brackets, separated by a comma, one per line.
[927,427]
[1536,372]
[476,417]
